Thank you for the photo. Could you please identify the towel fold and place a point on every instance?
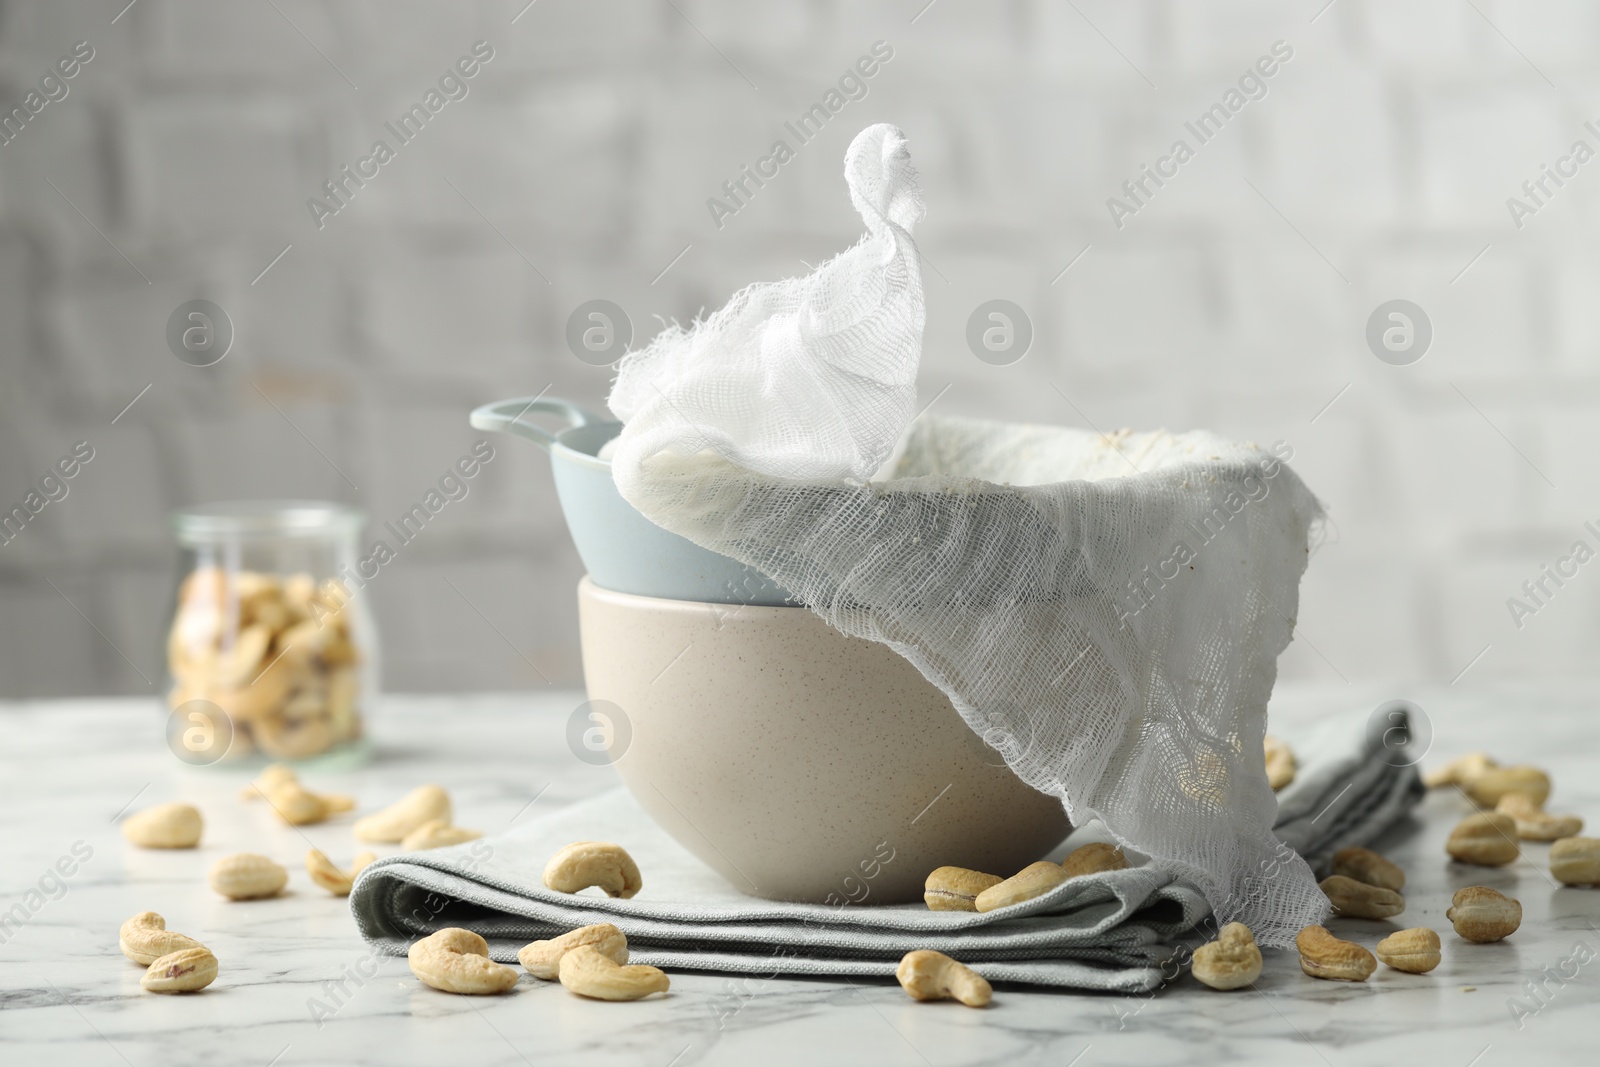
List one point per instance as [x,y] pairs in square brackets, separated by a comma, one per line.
[1354,783]
[1108,932]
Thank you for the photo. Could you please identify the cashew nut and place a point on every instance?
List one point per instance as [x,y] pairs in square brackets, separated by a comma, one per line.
[1034,880]
[929,975]
[249,704]
[1360,900]
[956,888]
[238,666]
[271,776]
[324,873]
[1365,865]
[1488,839]
[392,824]
[457,961]
[1482,915]
[1232,961]
[296,805]
[145,938]
[1324,956]
[300,594]
[1459,771]
[1281,765]
[593,863]
[437,833]
[285,738]
[247,876]
[1533,822]
[1576,861]
[183,971]
[588,972]
[1413,951]
[1094,858]
[1488,787]
[164,826]
[543,958]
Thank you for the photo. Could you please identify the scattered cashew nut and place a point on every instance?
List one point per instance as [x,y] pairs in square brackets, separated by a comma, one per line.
[956,888]
[392,824]
[1324,956]
[543,958]
[1485,781]
[1488,787]
[1533,822]
[457,961]
[175,825]
[297,805]
[1576,860]
[1034,880]
[588,972]
[593,863]
[1232,961]
[323,871]
[929,975]
[184,971]
[437,833]
[145,939]
[1365,865]
[247,876]
[1360,900]
[1459,771]
[1482,915]
[271,776]
[1488,839]
[1414,951]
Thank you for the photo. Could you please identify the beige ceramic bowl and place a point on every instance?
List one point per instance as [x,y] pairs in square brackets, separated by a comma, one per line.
[799,763]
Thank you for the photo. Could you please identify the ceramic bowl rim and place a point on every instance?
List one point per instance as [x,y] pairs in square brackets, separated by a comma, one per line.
[666,606]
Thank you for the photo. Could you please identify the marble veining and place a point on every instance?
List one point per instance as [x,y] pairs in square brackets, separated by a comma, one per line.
[298,986]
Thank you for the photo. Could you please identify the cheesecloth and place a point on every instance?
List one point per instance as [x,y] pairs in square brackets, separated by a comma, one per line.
[1106,611]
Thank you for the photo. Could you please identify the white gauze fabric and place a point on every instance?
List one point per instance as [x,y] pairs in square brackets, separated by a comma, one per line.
[1106,611]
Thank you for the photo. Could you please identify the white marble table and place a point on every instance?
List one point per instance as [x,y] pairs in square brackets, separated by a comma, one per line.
[67,996]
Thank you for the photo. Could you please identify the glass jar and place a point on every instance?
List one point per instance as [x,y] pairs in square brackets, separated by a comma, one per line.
[271,653]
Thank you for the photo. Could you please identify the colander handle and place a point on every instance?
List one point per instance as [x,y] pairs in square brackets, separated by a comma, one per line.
[508,416]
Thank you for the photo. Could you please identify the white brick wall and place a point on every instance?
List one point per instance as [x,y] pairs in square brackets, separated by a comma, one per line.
[591,142]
